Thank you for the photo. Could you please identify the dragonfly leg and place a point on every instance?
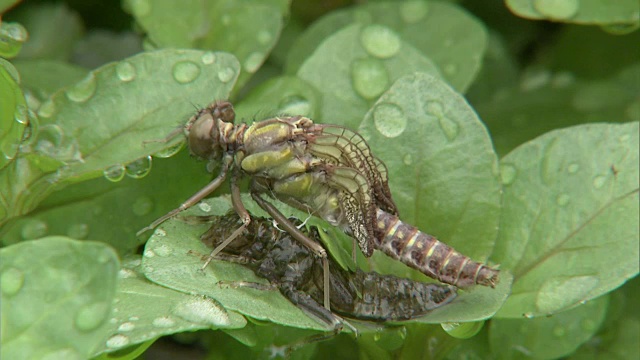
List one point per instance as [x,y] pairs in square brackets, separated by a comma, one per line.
[301,237]
[194,199]
[242,212]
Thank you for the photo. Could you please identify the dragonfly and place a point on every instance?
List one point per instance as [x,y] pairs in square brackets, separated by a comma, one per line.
[274,255]
[326,170]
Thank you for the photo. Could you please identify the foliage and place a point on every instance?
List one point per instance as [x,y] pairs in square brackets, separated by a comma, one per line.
[511,136]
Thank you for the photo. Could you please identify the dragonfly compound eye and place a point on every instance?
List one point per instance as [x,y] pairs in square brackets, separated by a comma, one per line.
[202,135]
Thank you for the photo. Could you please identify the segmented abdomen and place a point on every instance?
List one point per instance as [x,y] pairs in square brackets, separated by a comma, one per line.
[426,254]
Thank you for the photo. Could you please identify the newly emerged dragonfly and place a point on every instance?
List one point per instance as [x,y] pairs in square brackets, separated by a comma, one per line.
[328,171]
[291,268]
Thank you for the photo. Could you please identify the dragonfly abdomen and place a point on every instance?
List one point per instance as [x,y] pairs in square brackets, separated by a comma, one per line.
[427,254]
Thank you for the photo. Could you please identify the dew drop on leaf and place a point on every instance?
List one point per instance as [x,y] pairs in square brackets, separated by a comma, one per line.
[126,274]
[208,58]
[295,105]
[562,199]
[225,75]
[142,205]
[78,231]
[573,168]
[126,326]
[170,151]
[47,109]
[389,119]
[253,61]
[185,72]
[449,127]
[149,253]
[407,159]
[559,331]
[201,311]
[34,229]
[163,251]
[413,11]
[369,77]
[20,115]
[380,41]
[163,322]
[508,173]
[264,37]
[11,281]
[599,181]
[114,173]
[555,9]
[117,341]
[125,71]
[83,90]
[90,316]
[204,207]
[139,168]
[621,29]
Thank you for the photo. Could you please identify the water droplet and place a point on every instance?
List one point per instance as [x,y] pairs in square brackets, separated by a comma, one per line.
[295,105]
[21,115]
[225,75]
[89,317]
[104,257]
[11,281]
[139,168]
[115,173]
[125,71]
[140,8]
[380,41]
[559,331]
[528,315]
[160,233]
[389,119]
[163,251]
[202,311]
[573,168]
[185,72]
[253,61]
[535,79]
[66,354]
[126,326]
[369,77]
[49,136]
[449,127]
[599,181]
[208,58]
[435,108]
[142,205]
[117,341]
[83,90]
[450,69]
[562,199]
[126,274]
[621,29]
[34,229]
[170,151]
[163,322]
[149,253]
[554,9]
[508,173]
[413,11]
[47,109]
[204,207]
[78,231]
[407,159]
[264,37]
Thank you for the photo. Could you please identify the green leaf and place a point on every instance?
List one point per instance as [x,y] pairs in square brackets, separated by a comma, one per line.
[580,12]
[247,29]
[101,123]
[442,169]
[456,44]
[13,114]
[354,66]
[43,77]
[99,47]
[57,296]
[12,36]
[53,30]
[145,311]
[547,337]
[7,4]
[569,226]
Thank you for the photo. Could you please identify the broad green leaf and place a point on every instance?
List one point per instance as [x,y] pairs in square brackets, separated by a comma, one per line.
[14,116]
[287,95]
[57,296]
[112,212]
[355,65]
[53,30]
[101,123]
[578,11]
[247,29]
[12,36]
[144,311]
[446,34]
[7,4]
[442,168]
[44,77]
[547,337]
[569,225]
[544,101]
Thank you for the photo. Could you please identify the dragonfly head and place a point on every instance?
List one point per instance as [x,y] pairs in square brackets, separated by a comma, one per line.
[204,129]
